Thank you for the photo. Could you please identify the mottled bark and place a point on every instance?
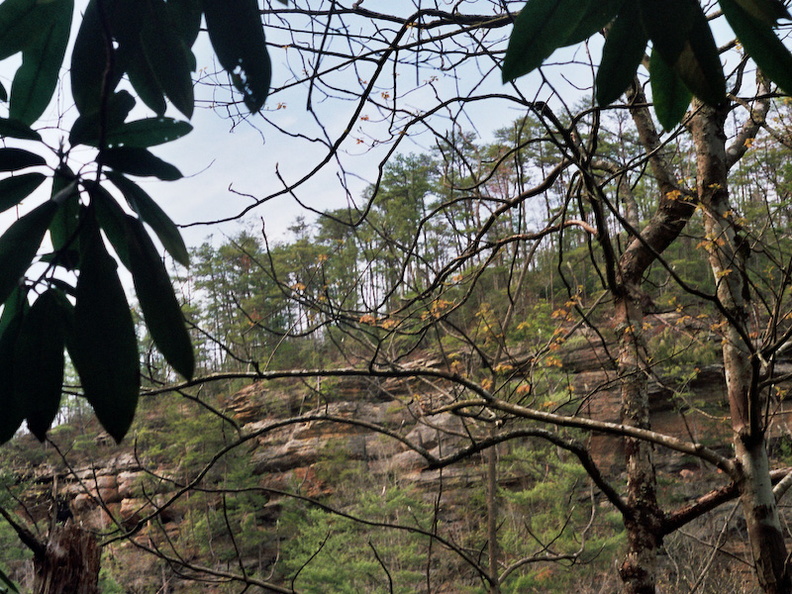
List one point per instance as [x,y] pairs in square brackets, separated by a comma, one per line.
[741,367]
[70,563]
[493,550]
[644,536]
[644,521]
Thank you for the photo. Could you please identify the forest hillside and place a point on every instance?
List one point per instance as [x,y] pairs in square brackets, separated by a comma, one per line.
[431,397]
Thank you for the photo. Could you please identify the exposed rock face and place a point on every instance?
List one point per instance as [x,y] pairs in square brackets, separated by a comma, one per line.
[286,456]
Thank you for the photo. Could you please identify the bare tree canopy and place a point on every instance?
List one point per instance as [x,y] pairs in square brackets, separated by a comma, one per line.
[501,263]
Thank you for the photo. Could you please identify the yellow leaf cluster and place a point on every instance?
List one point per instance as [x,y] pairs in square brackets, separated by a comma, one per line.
[388,323]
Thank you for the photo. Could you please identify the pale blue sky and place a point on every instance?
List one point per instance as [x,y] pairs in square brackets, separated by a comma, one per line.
[215,157]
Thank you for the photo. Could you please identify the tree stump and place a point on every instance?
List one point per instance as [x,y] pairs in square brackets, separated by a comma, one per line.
[70,563]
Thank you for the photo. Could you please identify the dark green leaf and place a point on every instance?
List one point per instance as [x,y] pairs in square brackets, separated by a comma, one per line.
[15,305]
[90,57]
[63,230]
[64,286]
[160,308]
[102,343]
[150,213]
[112,220]
[10,323]
[624,49]
[68,259]
[15,189]
[598,15]
[187,16]
[168,58]
[699,64]
[39,359]
[19,25]
[18,245]
[541,27]
[761,43]
[3,93]
[671,97]
[12,159]
[139,161]
[148,132]
[238,40]
[93,55]
[765,11]
[88,127]
[126,19]
[36,80]
[668,24]
[146,85]
[14,129]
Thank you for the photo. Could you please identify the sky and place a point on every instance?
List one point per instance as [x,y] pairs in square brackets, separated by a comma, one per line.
[217,156]
[253,159]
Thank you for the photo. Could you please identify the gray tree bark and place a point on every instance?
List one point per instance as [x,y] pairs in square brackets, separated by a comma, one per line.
[741,364]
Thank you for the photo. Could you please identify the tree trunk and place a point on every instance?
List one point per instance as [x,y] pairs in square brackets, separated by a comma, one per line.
[644,535]
[493,551]
[70,563]
[740,364]
[644,522]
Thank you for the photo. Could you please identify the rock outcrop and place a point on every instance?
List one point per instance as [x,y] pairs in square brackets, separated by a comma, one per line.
[122,491]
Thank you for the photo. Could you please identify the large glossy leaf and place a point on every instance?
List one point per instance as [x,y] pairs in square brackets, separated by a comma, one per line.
[671,97]
[139,161]
[94,70]
[16,305]
[35,81]
[160,308]
[89,61]
[112,220]
[10,323]
[187,16]
[597,16]
[15,129]
[765,11]
[761,43]
[126,19]
[668,24]
[12,159]
[168,57]
[19,25]
[150,213]
[148,132]
[18,245]
[87,129]
[541,27]
[65,223]
[102,342]
[622,54]
[39,360]
[238,40]
[15,189]
[146,85]
[699,64]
